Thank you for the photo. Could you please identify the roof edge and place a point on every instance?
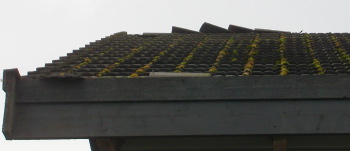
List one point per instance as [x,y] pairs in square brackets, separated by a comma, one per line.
[11,77]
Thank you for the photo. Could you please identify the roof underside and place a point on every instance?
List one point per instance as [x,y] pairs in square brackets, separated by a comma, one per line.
[233,52]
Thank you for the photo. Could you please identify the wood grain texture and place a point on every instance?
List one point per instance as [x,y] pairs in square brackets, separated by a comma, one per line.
[11,77]
[180,118]
[183,88]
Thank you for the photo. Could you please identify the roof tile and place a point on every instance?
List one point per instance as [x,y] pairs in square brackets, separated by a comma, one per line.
[217,51]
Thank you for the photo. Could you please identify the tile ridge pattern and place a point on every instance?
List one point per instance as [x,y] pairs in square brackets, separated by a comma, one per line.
[221,54]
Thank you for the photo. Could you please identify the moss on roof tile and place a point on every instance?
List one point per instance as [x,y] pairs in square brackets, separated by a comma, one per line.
[225,54]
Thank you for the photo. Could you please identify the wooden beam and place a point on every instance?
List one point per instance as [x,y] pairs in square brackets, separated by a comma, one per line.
[238,142]
[280,143]
[182,88]
[93,144]
[180,118]
[105,144]
[11,77]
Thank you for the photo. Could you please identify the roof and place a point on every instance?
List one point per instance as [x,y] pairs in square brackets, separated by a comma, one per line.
[235,51]
[186,107]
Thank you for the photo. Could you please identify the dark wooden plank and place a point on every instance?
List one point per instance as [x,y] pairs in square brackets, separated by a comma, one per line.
[181,118]
[11,77]
[183,88]
[237,143]
[205,143]
[319,142]
[106,144]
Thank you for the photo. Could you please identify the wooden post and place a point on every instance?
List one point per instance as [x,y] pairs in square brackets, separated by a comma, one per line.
[105,144]
[11,77]
[280,143]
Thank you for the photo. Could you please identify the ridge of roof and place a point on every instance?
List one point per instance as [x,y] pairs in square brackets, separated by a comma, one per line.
[239,29]
[210,28]
[181,30]
[260,30]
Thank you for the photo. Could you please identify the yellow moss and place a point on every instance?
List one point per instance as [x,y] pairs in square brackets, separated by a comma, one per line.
[254,45]
[222,53]
[248,70]
[234,59]
[246,74]
[135,50]
[180,66]
[140,71]
[134,75]
[105,71]
[111,67]
[248,66]
[283,73]
[146,67]
[213,70]
[87,60]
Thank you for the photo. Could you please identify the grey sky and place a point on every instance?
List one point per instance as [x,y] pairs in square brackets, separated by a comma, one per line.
[36,32]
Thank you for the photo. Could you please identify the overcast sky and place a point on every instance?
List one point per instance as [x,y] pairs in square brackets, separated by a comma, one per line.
[35,32]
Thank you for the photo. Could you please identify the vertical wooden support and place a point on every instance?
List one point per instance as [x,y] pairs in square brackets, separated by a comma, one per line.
[280,143]
[11,77]
[105,144]
[93,144]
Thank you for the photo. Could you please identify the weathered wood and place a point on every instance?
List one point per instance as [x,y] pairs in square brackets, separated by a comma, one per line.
[183,88]
[280,143]
[11,77]
[319,142]
[207,143]
[180,118]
